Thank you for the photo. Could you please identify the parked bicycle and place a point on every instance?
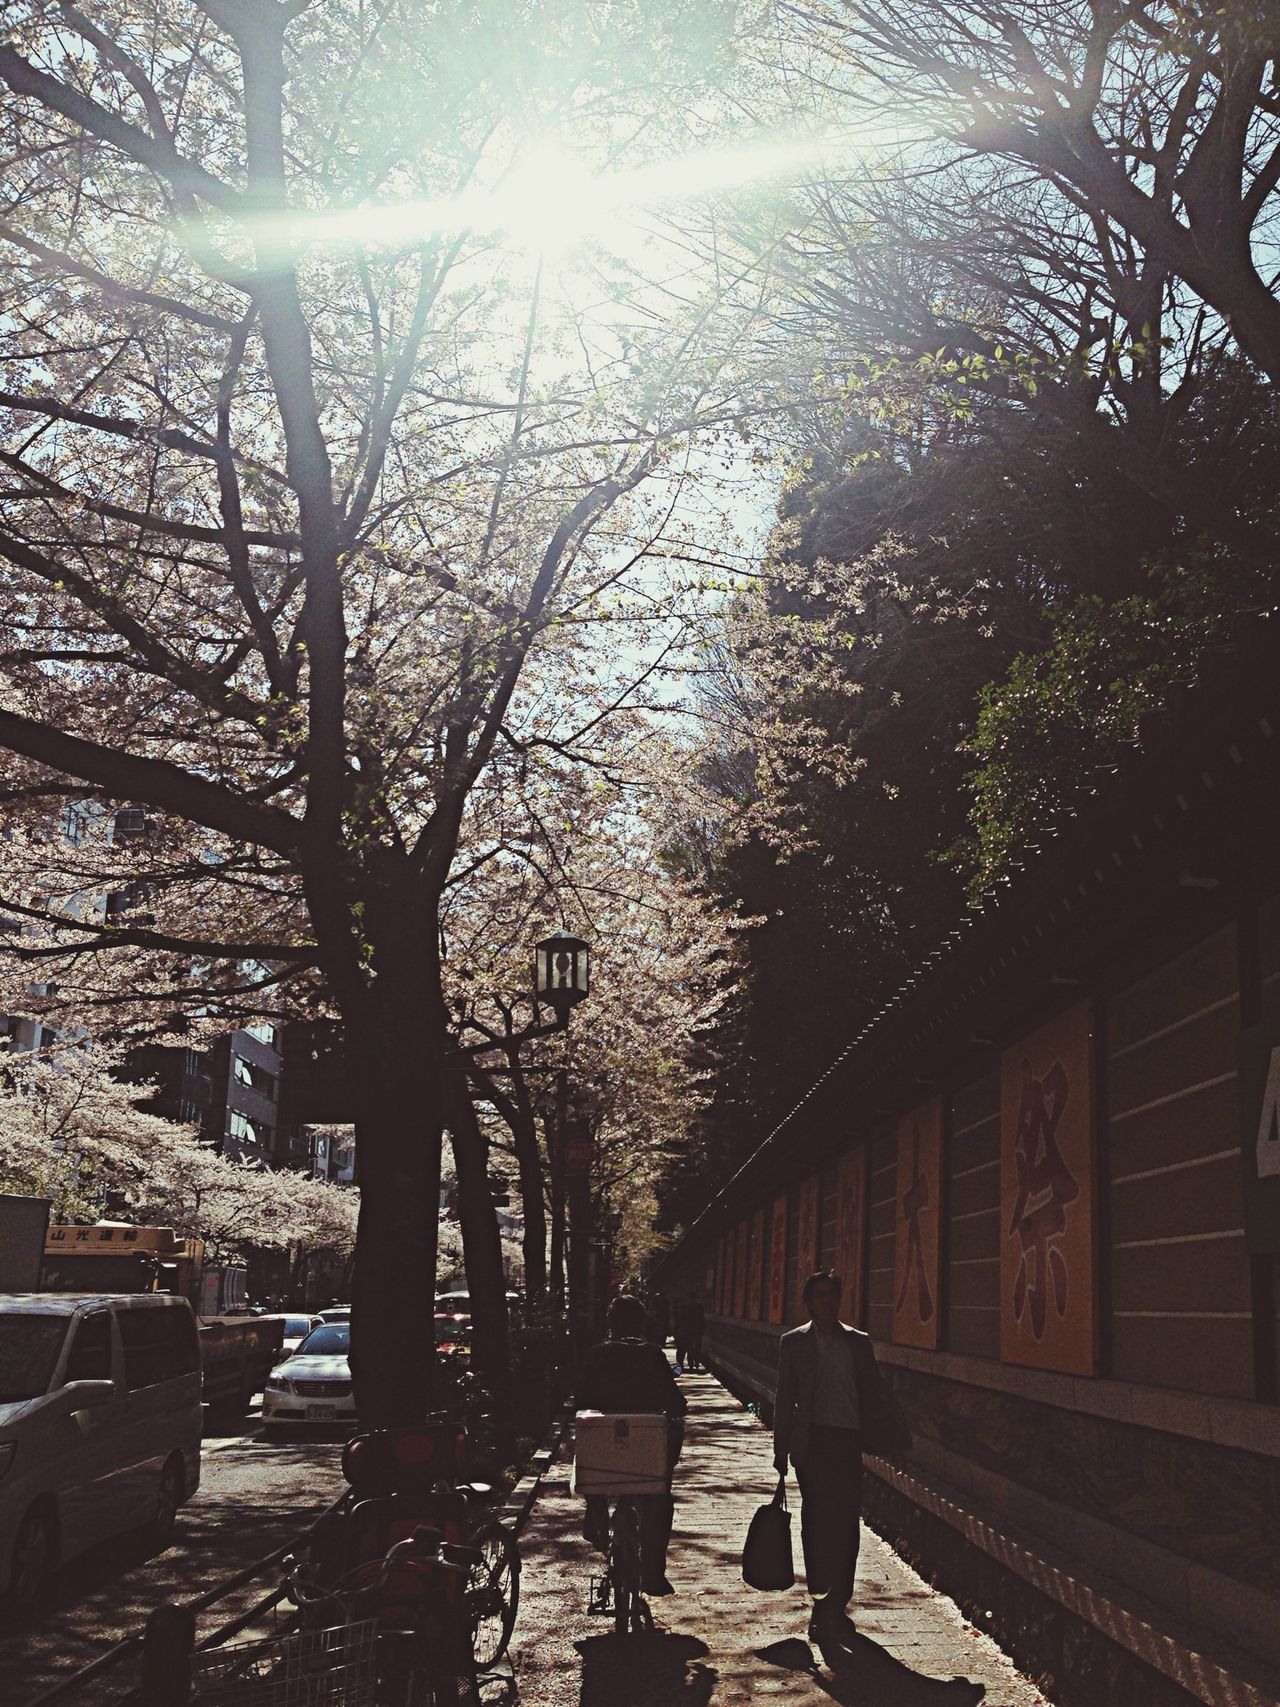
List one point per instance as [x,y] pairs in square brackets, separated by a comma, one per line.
[405,1479]
[393,1632]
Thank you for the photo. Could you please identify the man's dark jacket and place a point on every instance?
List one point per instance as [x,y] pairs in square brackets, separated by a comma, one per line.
[627,1376]
[883,1427]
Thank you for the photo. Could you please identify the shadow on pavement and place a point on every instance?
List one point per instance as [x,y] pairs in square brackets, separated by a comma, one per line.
[110,1590]
[863,1674]
[655,1670]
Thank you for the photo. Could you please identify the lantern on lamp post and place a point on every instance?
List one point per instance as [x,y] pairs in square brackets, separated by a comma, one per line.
[562,972]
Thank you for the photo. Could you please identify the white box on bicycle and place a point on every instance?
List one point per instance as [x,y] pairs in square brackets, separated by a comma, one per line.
[616,1453]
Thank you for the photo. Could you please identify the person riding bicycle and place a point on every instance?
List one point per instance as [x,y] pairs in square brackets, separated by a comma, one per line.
[628,1374]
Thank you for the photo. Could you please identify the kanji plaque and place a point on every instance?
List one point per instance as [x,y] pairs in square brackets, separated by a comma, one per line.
[756,1302]
[778,1260]
[740,1270]
[808,1228]
[1047,1316]
[851,1232]
[916,1245]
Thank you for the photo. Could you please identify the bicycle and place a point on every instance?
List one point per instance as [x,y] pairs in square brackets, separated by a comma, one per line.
[416,1599]
[404,1479]
[619,1460]
[619,1589]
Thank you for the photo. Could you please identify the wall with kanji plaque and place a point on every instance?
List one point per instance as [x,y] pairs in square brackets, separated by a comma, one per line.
[917,1244]
[1047,1313]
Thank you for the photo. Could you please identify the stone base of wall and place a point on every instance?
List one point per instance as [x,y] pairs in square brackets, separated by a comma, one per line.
[1068,1657]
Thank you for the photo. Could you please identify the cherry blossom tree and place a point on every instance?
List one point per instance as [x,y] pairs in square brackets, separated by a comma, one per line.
[324,508]
[72,1131]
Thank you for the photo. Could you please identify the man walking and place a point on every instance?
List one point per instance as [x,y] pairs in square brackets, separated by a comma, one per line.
[831,1406]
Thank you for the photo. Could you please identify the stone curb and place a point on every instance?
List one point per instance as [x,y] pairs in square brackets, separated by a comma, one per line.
[520,1501]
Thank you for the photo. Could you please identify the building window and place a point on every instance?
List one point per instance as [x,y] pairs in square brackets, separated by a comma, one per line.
[247,1131]
[257,1078]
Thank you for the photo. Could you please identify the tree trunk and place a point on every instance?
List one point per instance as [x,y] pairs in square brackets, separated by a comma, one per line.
[481,1250]
[399,1132]
[524,1136]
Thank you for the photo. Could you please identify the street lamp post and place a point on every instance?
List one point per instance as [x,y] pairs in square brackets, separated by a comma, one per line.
[562,973]
[562,978]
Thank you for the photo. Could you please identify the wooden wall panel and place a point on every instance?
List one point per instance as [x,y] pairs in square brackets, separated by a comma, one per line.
[1204,1356]
[1167,995]
[1183,1206]
[883,1208]
[1184,1125]
[1154,1276]
[1269,956]
[971,1247]
[1180,1287]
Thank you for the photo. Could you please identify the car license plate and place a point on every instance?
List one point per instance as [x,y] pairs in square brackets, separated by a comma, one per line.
[322,1413]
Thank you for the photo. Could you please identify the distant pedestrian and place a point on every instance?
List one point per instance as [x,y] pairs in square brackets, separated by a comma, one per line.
[831,1406]
[680,1333]
[686,1332]
[697,1322]
[660,1310]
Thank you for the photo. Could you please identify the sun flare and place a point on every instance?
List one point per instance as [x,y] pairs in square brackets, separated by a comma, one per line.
[549,200]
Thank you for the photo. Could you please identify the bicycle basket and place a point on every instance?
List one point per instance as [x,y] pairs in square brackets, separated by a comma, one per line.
[307,1668]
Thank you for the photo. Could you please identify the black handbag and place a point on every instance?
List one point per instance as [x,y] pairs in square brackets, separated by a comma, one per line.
[766,1554]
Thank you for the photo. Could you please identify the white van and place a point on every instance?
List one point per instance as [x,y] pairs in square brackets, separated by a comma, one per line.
[100,1420]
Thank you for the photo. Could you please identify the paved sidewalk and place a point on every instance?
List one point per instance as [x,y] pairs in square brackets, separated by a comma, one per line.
[718,1642]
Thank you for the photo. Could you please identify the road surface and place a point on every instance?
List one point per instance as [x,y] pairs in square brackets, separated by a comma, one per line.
[254,1496]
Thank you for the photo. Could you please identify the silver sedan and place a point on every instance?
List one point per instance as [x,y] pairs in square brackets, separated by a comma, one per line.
[314,1385]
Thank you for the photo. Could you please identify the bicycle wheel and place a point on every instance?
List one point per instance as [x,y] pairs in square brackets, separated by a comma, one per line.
[493,1594]
[624,1566]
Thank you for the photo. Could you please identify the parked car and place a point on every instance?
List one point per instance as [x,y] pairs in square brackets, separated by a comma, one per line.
[293,1330]
[453,1336]
[338,1313]
[100,1419]
[314,1385]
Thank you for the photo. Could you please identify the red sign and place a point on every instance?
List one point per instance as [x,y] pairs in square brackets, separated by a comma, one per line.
[851,1232]
[756,1303]
[916,1281]
[740,1270]
[807,1231]
[1047,1198]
